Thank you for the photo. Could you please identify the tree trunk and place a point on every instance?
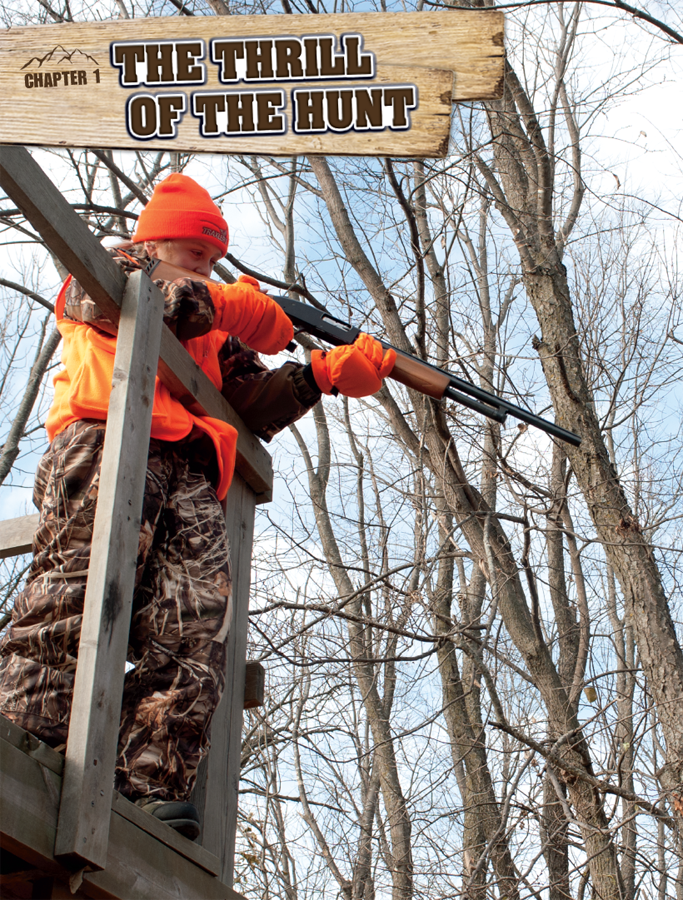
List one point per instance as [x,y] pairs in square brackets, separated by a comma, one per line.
[555,834]
[483,824]
[524,196]
[364,670]
[627,549]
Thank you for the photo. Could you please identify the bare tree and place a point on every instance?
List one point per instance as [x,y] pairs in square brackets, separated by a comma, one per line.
[470,631]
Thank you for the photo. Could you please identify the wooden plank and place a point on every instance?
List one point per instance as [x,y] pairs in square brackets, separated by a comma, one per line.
[93,112]
[31,746]
[421,128]
[71,241]
[460,40]
[16,535]
[29,803]
[139,866]
[94,725]
[216,795]
[167,835]
[64,232]
[35,749]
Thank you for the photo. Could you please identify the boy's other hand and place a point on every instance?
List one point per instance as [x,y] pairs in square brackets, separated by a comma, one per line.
[355,370]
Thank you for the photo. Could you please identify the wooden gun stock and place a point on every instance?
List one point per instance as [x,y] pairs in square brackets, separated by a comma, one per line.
[415,374]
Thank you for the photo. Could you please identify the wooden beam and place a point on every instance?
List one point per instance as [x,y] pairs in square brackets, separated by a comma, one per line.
[70,240]
[193,388]
[31,746]
[96,708]
[16,535]
[140,865]
[216,792]
[63,231]
[195,852]
[29,794]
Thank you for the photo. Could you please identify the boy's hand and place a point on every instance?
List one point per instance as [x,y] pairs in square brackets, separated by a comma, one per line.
[355,370]
[249,279]
[255,318]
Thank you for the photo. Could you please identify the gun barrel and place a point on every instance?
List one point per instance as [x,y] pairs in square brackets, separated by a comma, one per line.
[442,383]
[485,409]
[516,412]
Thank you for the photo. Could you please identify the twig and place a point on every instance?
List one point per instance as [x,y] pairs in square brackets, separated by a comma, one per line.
[597,783]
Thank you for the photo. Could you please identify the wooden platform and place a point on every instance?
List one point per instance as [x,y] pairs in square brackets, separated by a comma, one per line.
[146,858]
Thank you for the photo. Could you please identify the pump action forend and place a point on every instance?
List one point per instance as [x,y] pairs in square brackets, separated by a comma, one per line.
[408,370]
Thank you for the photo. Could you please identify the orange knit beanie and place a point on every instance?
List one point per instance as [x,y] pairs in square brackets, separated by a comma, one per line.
[180,208]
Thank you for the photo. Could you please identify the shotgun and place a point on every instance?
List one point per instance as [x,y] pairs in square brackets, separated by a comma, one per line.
[408,370]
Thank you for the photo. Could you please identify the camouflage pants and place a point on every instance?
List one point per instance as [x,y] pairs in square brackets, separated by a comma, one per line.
[181,611]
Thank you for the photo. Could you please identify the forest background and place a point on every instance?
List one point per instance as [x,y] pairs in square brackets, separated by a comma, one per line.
[472,634]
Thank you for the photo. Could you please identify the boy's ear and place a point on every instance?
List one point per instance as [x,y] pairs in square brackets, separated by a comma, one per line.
[151,248]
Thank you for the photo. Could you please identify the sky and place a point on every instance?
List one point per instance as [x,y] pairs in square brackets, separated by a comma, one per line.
[636,151]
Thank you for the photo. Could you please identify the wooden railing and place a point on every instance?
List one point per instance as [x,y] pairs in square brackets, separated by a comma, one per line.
[136,304]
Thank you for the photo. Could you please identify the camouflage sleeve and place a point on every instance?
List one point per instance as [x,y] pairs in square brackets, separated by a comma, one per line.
[268,400]
[188,307]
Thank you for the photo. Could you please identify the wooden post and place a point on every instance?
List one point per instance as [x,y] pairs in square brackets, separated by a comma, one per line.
[16,535]
[216,793]
[85,807]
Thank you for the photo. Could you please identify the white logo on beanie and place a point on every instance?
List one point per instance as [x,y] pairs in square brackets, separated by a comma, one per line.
[212,232]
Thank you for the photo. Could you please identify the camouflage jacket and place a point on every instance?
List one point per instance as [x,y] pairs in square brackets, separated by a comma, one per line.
[267,400]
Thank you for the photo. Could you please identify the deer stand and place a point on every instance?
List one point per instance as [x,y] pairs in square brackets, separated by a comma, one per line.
[64,831]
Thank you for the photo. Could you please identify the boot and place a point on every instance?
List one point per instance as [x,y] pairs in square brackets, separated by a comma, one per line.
[179,814]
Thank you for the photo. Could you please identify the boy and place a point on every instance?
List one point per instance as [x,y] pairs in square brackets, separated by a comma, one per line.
[182,602]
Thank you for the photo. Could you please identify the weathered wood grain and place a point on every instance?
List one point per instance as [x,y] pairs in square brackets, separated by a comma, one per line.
[139,865]
[29,803]
[16,535]
[167,835]
[31,746]
[468,42]
[71,241]
[93,729]
[410,48]
[103,123]
[217,793]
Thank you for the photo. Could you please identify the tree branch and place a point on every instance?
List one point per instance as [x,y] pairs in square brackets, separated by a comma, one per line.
[604,786]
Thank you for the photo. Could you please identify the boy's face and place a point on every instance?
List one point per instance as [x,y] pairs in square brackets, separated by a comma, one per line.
[189,253]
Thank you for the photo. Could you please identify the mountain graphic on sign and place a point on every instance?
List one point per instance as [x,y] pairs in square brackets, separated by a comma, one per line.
[66,55]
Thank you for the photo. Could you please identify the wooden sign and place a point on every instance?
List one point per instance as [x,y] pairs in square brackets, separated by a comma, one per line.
[348,85]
